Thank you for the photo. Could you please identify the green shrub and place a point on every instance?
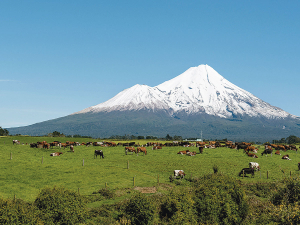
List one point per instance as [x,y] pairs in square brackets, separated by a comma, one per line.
[215,168]
[286,214]
[18,212]
[140,209]
[290,193]
[220,200]
[261,189]
[60,206]
[178,207]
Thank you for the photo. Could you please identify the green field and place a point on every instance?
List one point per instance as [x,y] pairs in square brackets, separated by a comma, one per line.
[32,169]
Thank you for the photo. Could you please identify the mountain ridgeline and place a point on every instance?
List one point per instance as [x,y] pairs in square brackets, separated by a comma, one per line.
[198,100]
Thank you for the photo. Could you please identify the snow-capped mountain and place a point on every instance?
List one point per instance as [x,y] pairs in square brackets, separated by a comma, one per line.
[196,91]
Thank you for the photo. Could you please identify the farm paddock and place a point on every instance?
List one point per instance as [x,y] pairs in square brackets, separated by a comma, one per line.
[25,170]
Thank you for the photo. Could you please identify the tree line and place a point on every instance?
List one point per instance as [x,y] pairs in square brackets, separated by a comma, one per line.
[4,132]
[292,139]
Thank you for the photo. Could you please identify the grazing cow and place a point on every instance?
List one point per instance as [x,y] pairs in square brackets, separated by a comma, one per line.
[254,165]
[280,147]
[142,149]
[46,145]
[156,147]
[98,152]
[201,149]
[277,152]
[241,146]
[183,152]
[130,149]
[267,151]
[16,142]
[286,157]
[251,149]
[179,173]
[247,171]
[72,148]
[56,154]
[54,144]
[33,145]
[293,147]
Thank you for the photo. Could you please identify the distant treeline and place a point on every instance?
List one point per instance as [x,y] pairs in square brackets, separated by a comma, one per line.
[292,139]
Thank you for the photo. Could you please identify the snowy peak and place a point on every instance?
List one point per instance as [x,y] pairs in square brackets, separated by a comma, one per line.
[198,90]
[135,98]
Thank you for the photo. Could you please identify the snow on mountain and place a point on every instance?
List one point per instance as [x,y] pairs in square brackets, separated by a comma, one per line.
[198,90]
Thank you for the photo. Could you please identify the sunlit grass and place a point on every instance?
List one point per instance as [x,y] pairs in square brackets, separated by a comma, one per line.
[31,169]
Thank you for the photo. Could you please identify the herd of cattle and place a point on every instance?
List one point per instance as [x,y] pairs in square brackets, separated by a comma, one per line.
[132,147]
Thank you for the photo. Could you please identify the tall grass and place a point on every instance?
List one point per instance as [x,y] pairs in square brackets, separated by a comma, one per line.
[25,174]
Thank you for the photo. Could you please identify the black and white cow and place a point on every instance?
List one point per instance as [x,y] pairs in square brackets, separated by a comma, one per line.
[99,152]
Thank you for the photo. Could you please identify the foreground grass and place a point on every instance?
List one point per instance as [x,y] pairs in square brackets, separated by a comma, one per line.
[30,169]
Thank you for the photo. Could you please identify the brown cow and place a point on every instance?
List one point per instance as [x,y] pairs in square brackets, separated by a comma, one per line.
[251,149]
[280,147]
[56,154]
[286,157]
[72,148]
[179,173]
[277,152]
[183,152]
[130,149]
[156,147]
[191,153]
[142,149]
[252,155]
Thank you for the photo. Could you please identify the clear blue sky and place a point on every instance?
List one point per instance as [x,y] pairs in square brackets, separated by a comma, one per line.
[59,57]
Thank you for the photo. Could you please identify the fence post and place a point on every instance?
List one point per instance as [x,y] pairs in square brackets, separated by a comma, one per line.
[82,162]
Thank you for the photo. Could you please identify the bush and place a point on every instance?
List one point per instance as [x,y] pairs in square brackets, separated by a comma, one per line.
[60,206]
[140,209]
[178,207]
[289,194]
[18,212]
[261,189]
[286,214]
[220,200]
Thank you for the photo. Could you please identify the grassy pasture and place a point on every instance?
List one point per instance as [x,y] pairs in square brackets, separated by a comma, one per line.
[25,174]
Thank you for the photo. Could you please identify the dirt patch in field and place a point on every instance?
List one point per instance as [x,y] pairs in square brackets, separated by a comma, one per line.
[146,189]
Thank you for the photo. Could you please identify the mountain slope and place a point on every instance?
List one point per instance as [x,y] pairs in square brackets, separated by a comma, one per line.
[198,90]
[197,100]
